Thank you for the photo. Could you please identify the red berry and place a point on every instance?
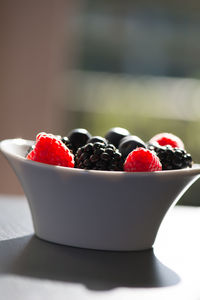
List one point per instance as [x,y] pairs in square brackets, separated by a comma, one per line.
[50,150]
[164,139]
[142,160]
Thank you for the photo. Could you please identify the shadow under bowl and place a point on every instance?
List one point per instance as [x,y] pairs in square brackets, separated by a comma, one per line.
[101,210]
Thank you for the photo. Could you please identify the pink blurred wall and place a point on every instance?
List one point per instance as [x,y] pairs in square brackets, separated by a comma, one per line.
[33,37]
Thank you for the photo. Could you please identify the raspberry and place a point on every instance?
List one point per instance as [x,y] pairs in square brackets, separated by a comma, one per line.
[49,149]
[142,160]
[164,139]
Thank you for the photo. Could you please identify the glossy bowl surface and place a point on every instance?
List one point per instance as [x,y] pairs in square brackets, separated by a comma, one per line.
[96,209]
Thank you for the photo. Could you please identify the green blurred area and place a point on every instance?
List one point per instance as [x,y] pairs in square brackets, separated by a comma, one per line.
[144,127]
[139,69]
[143,105]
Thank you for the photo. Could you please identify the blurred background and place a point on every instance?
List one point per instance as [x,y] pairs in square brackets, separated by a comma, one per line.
[100,64]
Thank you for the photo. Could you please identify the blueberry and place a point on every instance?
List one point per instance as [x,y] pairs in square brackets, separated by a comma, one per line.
[115,134]
[96,138]
[129,143]
[67,142]
[78,137]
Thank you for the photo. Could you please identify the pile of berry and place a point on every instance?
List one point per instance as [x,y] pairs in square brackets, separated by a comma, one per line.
[118,150]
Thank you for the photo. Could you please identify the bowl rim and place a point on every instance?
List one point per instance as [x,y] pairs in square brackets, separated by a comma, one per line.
[195,170]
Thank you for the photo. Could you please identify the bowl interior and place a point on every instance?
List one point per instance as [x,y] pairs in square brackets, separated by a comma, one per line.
[19,147]
[16,147]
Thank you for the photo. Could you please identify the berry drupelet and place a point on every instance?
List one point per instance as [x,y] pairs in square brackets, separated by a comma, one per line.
[97,138]
[98,156]
[171,158]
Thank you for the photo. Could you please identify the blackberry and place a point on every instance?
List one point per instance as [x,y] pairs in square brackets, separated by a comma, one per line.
[172,158]
[98,156]
[97,138]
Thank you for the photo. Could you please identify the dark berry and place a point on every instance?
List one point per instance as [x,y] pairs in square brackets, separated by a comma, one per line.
[96,138]
[115,134]
[30,149]
[67,143]
[171,158]
[78,138]
[98,156]
[130,143]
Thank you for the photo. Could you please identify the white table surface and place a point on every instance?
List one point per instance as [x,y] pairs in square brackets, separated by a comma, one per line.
[33,269]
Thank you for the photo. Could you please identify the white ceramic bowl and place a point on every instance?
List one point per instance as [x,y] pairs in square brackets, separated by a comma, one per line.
[96,209]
